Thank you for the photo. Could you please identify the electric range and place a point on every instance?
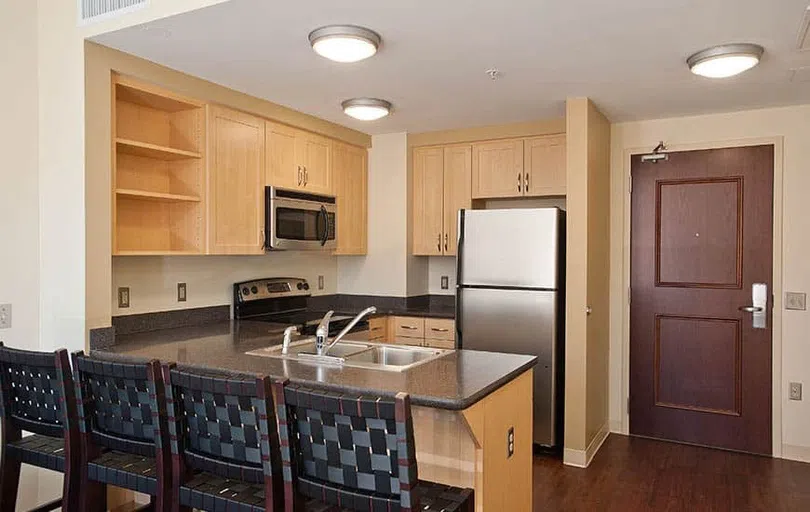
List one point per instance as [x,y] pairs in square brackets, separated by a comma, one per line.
[284,301]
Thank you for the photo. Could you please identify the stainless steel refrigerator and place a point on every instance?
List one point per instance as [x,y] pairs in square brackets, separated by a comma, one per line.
[510,297]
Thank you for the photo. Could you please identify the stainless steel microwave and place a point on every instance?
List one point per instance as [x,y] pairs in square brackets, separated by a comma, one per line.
[299,221]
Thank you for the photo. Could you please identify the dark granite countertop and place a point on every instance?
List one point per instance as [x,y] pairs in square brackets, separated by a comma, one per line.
[454,381]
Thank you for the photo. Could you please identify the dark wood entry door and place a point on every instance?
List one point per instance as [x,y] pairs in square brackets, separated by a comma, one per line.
[701,237]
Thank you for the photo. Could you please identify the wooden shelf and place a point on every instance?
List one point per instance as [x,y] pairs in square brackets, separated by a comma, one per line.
[157,253]
[155,196]
[133,147]
[150,96]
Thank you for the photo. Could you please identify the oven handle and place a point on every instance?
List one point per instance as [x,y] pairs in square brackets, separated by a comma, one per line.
[325,226]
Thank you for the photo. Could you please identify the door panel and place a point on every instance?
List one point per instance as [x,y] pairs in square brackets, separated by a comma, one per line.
[497,169]
[314,156]
[457,192]
[702,235]
[516,322]
[544,160]
[282,170]
[428,195]
[236,176]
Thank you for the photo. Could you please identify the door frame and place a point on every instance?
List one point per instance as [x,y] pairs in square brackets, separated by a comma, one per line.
[778,212]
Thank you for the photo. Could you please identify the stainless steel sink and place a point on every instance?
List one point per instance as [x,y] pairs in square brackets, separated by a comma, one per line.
[375,356]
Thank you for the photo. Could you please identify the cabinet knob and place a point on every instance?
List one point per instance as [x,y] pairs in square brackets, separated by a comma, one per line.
[439,242]
[527,182]
[520,182]
[446,242]
[306,176]
[300,176]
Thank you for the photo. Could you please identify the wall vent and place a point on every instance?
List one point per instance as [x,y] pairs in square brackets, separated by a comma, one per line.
[94,10]
[803,41]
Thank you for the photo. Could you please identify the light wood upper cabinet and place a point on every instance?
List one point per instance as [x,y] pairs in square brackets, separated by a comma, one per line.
[281,167]
[350,173]
[497,169]
[457,191]
[314,155]
[236,179]
[441,187]
[428,198]
[544,161]
[297,159]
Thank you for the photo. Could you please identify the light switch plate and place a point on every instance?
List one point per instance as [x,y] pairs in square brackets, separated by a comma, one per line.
[123,297]
[795,390]
[320,282]
[181,292]
[5,316]
[445,282]
[796,301]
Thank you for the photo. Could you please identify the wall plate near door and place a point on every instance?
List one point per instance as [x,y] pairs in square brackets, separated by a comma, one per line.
[5,316]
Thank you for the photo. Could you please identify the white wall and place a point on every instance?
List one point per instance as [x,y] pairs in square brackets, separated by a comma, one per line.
[384,270]
[152,281]
[442,266]
[792,124]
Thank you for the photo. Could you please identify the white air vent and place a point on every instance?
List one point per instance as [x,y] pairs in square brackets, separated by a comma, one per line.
[804,32]
[94,10]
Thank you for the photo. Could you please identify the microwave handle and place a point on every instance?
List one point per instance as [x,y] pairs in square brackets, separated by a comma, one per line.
[325,215]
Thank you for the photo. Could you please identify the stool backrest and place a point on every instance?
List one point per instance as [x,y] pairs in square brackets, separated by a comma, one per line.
[120,403]
[225,425]
[36,391]
[347,450]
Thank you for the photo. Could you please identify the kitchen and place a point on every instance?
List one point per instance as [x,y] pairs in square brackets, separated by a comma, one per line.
[180,271]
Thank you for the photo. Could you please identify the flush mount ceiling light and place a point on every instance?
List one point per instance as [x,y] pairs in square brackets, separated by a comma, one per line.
[344,43]
[725,60]
[366,109]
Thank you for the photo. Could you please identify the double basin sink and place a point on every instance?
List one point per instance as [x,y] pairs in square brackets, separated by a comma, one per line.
[375,356]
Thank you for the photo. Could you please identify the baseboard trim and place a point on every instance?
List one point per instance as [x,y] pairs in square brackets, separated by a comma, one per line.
[583,458]
[797,453]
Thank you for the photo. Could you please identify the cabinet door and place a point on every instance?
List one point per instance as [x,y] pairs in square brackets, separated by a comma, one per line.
[544,172]
[281,168]
[497,169]
[236,178]
[314,156]
[409,327]
[428,211]
[457,192]
[351,189]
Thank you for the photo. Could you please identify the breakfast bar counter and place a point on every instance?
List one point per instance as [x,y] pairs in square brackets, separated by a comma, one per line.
[472,411]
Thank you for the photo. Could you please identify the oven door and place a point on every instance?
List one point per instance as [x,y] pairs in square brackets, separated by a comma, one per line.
[298,221]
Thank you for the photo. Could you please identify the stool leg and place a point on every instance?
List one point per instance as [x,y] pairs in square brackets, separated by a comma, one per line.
[9,479]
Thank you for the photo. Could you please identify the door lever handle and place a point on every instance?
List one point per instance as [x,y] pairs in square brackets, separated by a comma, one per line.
[751,309]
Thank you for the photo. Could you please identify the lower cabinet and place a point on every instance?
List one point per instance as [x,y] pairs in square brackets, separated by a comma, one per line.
[415,331]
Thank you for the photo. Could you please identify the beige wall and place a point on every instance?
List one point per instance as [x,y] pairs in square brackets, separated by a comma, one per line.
[383,271]
[587,275]
[153,280]
[790,127]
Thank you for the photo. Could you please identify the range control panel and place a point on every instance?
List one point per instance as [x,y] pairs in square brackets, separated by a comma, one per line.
[271,288]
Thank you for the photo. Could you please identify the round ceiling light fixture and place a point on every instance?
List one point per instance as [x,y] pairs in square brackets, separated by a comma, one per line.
[725,60]
[366,109]
[344,43]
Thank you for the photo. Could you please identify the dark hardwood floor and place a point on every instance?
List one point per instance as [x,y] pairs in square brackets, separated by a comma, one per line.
[630,474]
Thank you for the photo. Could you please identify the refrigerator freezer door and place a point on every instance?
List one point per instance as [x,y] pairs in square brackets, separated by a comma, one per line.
[509,248]
[516,322]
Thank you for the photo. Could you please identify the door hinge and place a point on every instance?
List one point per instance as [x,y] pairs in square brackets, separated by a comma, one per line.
[630,184]
[629,295]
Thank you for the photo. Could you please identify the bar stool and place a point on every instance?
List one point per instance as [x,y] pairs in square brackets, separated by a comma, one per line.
[122,412]
[224,442]
[36,395]
[352,452]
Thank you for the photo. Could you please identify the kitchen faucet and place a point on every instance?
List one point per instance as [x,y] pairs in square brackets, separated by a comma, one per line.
[322,344]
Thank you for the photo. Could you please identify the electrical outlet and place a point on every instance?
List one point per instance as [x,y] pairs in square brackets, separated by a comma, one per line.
[795,390]
[123,297]
[5,316]
[181,292]
[445,282]
[796,301]
[510,442]
[320,282]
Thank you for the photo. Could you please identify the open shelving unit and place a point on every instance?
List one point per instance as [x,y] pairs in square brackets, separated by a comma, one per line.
[158,176]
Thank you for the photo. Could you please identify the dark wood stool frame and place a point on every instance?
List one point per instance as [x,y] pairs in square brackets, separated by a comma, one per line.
[343,451]
[120,452]
[53,424]
[224,441]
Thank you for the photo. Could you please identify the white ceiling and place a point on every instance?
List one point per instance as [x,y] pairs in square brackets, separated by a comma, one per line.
[627,55]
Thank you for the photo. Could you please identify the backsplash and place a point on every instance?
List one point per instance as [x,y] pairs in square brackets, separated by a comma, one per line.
[152,281]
